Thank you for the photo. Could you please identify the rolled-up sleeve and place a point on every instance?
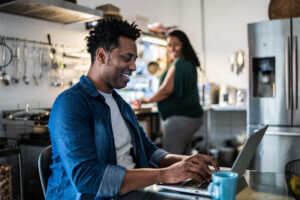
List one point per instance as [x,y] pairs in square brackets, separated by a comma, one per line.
[157,156]
[154,153]
[111,181]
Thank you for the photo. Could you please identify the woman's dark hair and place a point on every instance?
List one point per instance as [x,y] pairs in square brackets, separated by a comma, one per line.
[188,52]
[107,33]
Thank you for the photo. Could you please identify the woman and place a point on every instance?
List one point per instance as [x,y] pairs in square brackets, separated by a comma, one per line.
[177,97]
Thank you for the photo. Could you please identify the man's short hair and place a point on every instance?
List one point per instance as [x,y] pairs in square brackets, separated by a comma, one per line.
[107,33]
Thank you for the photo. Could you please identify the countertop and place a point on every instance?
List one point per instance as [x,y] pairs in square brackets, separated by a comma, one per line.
[217,107]
[254,186]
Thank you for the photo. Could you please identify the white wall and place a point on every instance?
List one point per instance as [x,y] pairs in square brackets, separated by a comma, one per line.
[226,32]
[191,23]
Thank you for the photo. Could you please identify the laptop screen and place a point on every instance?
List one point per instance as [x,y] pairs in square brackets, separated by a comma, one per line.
[242,161]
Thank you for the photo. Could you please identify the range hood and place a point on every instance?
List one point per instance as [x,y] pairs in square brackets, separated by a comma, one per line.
[51,10]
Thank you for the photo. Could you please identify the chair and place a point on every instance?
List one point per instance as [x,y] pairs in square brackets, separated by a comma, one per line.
[44,162]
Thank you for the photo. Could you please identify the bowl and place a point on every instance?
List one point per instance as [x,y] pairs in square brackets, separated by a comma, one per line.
[292,177]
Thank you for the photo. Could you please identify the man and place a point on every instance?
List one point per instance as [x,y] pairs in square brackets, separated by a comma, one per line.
[99,150]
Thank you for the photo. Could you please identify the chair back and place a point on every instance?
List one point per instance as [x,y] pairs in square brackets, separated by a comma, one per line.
[44,162]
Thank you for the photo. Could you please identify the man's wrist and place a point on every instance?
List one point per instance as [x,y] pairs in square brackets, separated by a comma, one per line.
[170,159]
[162,175]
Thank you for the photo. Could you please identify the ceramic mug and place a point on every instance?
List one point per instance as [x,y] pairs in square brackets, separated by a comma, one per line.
[223,185]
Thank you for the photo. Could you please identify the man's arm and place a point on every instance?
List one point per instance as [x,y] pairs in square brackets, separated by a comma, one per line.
[170,159]
[183,167]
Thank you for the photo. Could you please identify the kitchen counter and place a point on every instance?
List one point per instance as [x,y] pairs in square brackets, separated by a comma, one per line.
[253,186]
[217,107]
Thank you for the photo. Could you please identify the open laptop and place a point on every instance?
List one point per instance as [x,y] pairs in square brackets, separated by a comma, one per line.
[240,165]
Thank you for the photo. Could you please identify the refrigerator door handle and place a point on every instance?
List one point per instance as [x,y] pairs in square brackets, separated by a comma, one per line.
[277,133]
[287,73]
[295,71]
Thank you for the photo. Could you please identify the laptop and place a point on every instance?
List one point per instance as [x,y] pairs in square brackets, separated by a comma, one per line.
[240,165]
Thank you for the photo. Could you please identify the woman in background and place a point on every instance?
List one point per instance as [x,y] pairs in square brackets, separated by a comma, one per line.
[177,97]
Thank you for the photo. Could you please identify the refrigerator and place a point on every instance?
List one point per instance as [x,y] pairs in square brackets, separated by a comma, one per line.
[274,91]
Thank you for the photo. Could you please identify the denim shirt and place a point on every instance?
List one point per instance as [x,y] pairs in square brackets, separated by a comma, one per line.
[84,156]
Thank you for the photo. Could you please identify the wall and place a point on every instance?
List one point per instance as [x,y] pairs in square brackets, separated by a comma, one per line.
[225,32]
[192,23]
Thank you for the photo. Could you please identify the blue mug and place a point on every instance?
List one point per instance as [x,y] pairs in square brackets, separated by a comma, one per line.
[223,185]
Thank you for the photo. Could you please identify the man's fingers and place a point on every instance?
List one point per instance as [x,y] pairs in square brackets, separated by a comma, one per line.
[211,161]
[199,169]
[203,163]
[197,177]
[206,159]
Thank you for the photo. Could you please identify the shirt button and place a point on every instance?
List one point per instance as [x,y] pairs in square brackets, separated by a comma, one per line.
[107,116]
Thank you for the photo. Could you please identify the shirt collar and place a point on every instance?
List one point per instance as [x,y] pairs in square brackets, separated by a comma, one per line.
[89,87]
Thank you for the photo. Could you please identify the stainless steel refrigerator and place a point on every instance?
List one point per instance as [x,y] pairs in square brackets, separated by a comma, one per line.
[274,91]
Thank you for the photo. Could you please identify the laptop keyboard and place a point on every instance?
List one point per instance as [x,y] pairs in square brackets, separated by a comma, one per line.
[195,184]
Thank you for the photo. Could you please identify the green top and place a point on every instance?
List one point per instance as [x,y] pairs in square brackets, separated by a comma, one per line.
[184,100]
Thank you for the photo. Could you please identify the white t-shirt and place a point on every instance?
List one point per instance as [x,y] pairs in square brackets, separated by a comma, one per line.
[121,133]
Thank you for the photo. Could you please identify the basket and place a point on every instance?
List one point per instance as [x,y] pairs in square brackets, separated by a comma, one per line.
[279,9]
[292,177]
[5,182]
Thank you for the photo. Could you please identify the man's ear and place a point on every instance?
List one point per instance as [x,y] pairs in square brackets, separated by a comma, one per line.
[101,55]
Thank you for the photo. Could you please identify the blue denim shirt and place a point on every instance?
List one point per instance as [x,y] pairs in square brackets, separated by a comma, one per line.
[84,156]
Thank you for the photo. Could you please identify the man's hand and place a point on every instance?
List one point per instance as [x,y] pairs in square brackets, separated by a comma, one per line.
[174,168]
[195,167]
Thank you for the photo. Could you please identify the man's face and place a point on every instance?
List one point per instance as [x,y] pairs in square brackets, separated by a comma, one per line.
[120,63]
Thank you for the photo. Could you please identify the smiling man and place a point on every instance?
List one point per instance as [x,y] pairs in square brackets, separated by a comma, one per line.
[99,149]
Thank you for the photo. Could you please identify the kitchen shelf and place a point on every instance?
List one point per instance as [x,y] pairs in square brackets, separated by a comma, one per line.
[58,11]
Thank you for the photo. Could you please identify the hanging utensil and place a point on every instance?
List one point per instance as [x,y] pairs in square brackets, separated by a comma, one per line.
[35,58]
[52,54]
[4,77]
[25,78]
[5,48]
[16,55]
[40,63]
